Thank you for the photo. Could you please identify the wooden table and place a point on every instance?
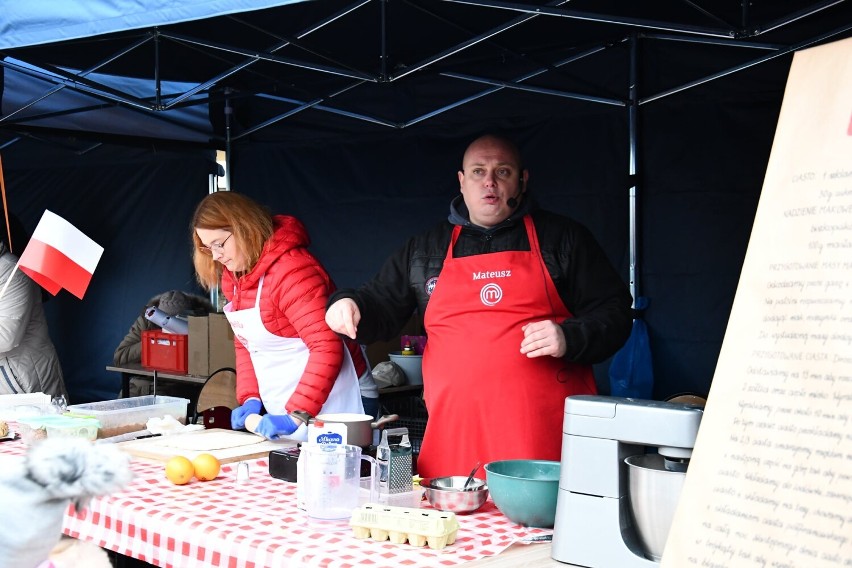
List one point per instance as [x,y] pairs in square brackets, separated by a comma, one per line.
[136,369]
[521,556]
[402,390]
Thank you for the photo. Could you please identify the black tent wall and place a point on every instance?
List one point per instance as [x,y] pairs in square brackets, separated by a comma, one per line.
[136,204]
[704,157]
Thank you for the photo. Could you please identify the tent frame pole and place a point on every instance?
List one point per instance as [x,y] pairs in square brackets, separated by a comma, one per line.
[632,124]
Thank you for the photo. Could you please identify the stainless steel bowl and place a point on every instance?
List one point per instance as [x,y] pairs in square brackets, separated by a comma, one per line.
[446,493]
[654,494]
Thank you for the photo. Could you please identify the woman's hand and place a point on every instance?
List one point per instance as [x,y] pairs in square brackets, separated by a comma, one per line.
[239,414]
[273,426]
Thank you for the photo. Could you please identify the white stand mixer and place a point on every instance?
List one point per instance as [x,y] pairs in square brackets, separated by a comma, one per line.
[595,526]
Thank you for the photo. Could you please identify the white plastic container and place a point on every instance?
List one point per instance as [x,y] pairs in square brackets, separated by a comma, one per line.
[411,365]
[34,428]
[412,498]
[131,414]
[15,406]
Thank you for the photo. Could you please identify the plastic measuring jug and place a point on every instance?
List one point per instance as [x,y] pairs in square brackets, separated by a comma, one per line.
[332,480]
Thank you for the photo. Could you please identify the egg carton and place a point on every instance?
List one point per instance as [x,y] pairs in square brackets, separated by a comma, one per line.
[400,524]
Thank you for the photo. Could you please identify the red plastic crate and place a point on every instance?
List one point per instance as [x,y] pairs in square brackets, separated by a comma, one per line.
[164,351]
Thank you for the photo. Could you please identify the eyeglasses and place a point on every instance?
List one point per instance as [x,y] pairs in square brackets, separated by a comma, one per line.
[214,247]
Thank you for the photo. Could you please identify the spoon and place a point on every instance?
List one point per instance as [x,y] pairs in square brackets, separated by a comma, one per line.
[470,477]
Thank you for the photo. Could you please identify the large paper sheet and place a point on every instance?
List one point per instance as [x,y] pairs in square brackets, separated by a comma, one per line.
[770,483]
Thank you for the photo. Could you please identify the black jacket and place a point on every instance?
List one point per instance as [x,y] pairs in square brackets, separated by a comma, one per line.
[587,283]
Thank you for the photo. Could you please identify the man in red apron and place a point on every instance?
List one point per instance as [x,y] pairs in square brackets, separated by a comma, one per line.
[518,303]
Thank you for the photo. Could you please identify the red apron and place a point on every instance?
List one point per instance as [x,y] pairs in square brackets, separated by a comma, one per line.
[486,400]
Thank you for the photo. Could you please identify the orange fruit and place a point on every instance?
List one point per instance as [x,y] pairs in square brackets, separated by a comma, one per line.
[179,470]
[206,467]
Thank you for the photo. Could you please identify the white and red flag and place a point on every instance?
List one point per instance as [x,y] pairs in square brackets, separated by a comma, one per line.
[60,256]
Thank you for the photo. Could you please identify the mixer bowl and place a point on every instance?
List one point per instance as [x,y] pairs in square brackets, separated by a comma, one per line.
[654,494]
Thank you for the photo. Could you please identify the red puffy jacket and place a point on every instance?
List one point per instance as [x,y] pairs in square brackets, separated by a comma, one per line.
[295,290]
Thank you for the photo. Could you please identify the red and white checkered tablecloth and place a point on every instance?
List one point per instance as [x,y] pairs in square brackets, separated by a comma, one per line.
[220,523]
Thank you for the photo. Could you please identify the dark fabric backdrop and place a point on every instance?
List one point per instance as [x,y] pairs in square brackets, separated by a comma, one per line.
[134,203]
[702,161]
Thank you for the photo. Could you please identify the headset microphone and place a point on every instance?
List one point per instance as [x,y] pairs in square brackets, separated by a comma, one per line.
[513,202]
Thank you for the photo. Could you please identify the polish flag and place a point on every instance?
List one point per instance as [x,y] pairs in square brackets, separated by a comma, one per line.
[60,256]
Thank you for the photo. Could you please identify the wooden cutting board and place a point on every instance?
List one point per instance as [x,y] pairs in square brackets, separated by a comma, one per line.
[228,446]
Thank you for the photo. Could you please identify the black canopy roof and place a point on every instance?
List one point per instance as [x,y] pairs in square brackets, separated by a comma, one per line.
[307,70]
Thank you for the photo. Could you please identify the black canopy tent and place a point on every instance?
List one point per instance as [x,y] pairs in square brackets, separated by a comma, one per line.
[389,64]
[649,122]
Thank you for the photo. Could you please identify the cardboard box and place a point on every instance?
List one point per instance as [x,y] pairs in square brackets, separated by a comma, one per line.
[164,351]
[199,345]
[211,344]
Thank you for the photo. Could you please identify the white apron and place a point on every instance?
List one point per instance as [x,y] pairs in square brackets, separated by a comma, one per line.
[279,363]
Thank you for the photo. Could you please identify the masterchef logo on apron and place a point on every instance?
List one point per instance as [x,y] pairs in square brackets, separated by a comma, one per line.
[491,294]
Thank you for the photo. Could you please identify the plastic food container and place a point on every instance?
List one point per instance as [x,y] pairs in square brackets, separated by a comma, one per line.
[31,429]
[70,427]
[15,406]
[410,499]
[36,428]
[131,414]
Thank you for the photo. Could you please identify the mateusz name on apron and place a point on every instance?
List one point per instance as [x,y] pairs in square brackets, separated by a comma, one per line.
[494,274]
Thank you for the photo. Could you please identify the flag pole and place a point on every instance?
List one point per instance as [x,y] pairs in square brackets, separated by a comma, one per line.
[5,211]
[8,228]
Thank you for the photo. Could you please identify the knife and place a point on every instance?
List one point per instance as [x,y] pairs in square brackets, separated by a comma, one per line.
[138,435]
[537,538]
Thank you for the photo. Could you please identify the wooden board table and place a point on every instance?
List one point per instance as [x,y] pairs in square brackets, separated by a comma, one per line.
[228,446]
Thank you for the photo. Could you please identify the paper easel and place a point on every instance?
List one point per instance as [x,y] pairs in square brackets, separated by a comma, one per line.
[770,483]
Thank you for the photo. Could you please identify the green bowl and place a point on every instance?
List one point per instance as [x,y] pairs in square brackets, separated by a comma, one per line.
[525,490]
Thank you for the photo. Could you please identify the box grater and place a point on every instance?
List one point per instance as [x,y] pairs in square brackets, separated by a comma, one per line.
[393,456]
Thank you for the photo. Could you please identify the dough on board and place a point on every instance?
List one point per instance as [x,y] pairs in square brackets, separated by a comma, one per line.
[210,440]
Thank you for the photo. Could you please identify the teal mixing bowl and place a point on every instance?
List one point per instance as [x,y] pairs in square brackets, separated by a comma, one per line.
[525,490]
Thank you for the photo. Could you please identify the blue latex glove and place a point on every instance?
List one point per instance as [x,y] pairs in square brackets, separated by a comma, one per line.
[239,414]
[273,426]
